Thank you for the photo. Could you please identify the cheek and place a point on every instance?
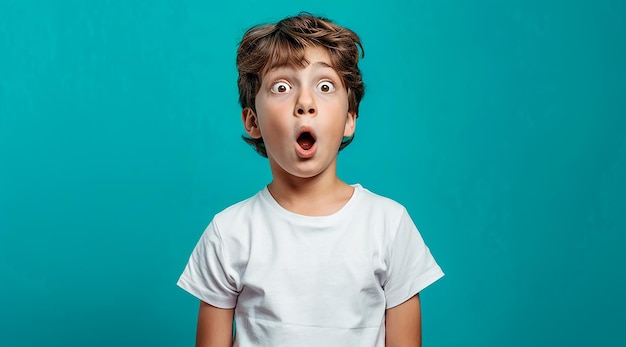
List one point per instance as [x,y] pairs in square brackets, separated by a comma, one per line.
[271,104]
[273,124]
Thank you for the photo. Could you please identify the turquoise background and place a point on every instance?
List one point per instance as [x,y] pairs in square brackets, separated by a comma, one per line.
[499,124]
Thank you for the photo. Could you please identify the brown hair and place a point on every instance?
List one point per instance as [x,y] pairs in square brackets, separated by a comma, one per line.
[264,47]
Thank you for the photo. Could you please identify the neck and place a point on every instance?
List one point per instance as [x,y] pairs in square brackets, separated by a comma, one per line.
[320,195]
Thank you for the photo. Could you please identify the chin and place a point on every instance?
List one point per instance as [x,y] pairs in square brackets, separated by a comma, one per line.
[308,173]
[302,168]
[304,174]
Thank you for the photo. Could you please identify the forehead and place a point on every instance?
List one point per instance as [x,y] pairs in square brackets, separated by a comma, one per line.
[314,56]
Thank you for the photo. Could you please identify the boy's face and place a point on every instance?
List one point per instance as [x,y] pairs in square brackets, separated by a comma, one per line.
[302,115]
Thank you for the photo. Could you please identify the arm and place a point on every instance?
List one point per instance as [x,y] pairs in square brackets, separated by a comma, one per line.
[215,326]
[404,324]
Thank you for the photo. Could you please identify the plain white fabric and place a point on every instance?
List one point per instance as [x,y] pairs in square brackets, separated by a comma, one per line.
[310,281]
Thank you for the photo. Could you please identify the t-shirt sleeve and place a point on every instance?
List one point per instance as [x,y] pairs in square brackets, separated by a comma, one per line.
[208,274]
[411,267]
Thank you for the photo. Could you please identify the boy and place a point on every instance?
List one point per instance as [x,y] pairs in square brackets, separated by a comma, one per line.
[309,260]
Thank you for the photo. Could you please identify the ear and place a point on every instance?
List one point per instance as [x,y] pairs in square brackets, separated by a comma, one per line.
[250,123]
[350,124]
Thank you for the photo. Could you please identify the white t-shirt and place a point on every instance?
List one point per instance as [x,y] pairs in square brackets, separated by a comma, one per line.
[297,280]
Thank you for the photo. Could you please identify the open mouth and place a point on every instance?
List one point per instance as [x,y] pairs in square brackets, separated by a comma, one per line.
[306,140]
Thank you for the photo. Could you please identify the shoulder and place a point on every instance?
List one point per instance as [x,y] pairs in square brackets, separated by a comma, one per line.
[239,211]
[380,213]
[378,204]
[232,227]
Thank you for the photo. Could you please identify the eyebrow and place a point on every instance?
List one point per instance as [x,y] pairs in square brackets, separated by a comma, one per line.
[293,67]
[324,64]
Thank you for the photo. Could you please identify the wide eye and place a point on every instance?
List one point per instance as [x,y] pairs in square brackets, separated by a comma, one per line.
[280,87]
[326,87]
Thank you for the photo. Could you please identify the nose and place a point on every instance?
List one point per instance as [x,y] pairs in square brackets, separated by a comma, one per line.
[305,105]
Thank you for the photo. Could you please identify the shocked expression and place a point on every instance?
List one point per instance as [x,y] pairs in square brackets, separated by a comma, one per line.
[302,116]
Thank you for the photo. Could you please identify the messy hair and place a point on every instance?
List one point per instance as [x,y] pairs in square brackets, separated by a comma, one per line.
[265,47]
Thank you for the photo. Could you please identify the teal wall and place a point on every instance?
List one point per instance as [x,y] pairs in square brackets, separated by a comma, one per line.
[499,124]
